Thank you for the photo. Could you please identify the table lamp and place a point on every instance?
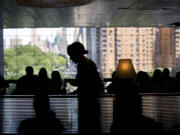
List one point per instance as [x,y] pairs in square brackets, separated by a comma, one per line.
[125,69]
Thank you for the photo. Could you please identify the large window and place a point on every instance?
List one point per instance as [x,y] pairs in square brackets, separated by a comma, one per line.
[46,47]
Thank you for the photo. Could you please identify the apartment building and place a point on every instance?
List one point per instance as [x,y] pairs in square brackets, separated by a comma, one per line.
[167,50]
[138,44]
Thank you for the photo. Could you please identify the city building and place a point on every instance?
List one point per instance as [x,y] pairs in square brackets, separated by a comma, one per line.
[33,36]
[57,40]
[167,54]
[63,43]
[177,48]
[89,38]
[147,47]
[15,41]
[138,44]
[107,51]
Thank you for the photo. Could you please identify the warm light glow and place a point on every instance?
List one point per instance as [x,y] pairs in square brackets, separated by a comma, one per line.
[125,69]
[125,66]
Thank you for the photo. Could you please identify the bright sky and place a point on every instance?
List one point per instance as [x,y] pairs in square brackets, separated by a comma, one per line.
[25,34]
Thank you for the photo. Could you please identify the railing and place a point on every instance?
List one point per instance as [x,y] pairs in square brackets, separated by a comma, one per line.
[162,107]
[12,84]
[14,109]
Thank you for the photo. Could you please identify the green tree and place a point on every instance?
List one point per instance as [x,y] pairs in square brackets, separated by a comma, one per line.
[18,57]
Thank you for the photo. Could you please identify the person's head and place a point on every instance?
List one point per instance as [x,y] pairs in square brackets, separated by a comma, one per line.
[42,73]
[76,50]
[29,71]
[113,76]
[55,75]
[166,72]
[157,74]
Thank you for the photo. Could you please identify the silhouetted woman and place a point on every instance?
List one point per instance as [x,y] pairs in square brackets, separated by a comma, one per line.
[56,84]
[157,80]
[43,82]
[167,80]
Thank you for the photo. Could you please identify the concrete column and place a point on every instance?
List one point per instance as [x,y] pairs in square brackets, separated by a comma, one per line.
[1,43]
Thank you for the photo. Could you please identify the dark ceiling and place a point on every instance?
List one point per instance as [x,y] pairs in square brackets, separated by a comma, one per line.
[99,13]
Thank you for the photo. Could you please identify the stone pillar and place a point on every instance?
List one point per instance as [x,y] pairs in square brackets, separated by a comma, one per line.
[1,43]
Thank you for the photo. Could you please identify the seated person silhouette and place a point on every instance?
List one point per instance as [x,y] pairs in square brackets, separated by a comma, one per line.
[142,82]
[26,84]
[43,81]
[167,80]
[112,87]
[56,84]
[177,82]
[156,81]
[44,122]
[3,85]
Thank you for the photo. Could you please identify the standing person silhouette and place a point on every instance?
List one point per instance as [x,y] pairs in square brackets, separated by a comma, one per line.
[89,86]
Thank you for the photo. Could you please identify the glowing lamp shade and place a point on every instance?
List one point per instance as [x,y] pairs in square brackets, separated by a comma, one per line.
[125,69]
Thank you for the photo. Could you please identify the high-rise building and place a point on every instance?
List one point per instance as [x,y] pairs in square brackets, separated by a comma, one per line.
[41,44]
[57,40]
[98,50]
[177,49]
[89,38]
[48,44]
[138,44]
[36,40]
[34,36]
[166,55]
[80,35]
[63,42]
[15,41]
[107,51]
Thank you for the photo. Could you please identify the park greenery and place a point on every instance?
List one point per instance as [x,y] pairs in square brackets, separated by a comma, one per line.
[20,56]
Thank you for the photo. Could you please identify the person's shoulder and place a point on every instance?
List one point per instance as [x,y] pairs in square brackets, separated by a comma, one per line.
[22,78]
[150,123]
[88,61]
[26,123]
[55,122]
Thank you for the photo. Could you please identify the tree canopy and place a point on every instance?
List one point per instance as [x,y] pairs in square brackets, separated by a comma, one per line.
[20,56]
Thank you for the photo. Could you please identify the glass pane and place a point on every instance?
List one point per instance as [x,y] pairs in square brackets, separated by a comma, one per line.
[148,47]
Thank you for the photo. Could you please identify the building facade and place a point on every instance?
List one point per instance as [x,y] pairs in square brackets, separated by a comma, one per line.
[167,52]
[137,44]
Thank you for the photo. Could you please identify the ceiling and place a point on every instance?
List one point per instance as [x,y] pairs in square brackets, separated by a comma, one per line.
[99,13]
